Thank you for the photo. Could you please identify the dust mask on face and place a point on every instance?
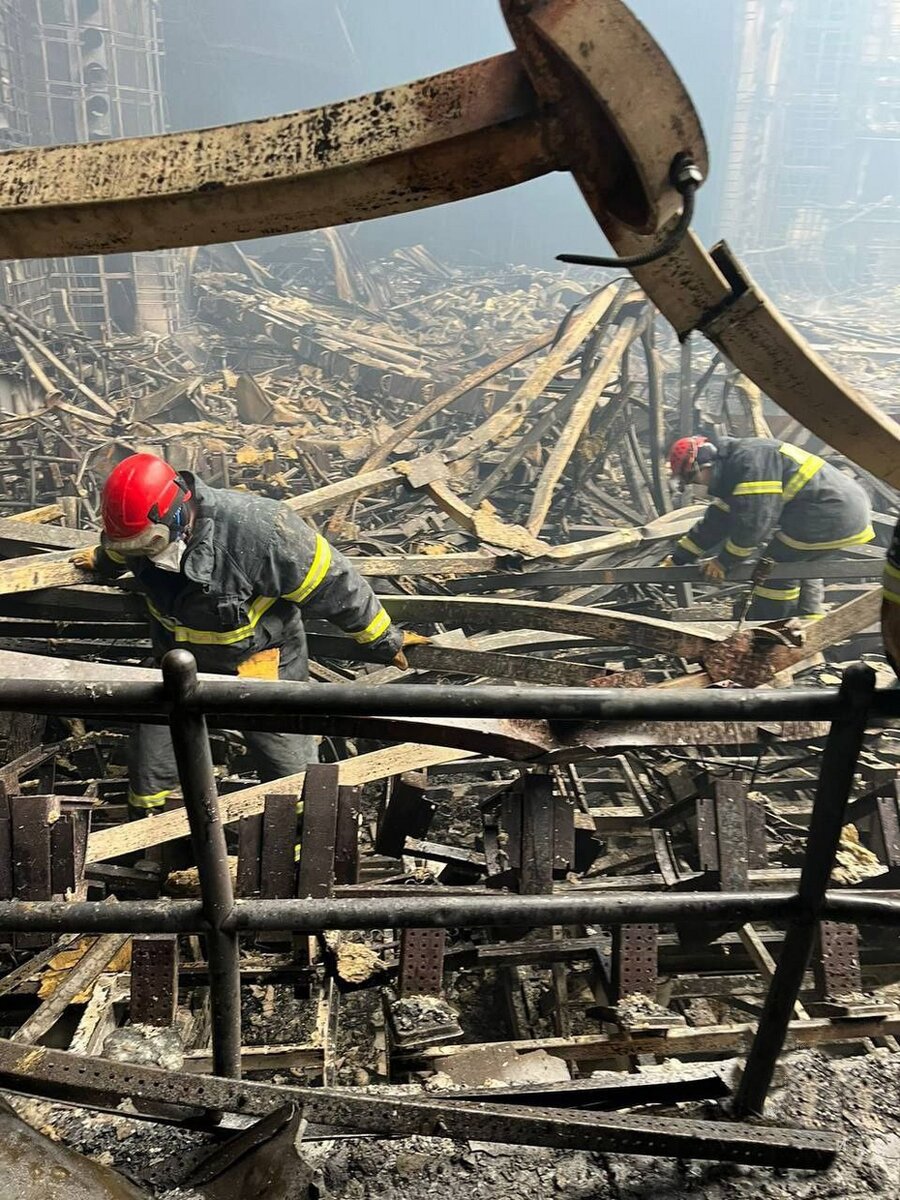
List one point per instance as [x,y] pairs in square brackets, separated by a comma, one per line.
[170,558]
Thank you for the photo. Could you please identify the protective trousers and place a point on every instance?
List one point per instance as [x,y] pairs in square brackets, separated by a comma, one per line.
[778,599]
[820,534]
[153,773]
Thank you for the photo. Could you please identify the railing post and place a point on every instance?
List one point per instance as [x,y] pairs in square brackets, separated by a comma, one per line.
[195,770]
[839,760]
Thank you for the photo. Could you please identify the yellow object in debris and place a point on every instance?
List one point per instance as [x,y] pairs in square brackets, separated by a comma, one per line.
[249,456]
[853,861]
[59,966]
[262,665]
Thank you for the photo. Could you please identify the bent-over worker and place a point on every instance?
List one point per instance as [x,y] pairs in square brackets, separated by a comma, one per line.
[231,577]
[890,602]
[769,499]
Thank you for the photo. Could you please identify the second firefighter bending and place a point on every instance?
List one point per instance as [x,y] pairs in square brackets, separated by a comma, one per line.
[772,499]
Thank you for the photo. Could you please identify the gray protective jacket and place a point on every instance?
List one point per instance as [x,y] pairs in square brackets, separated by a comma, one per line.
[251,572]
[763,487]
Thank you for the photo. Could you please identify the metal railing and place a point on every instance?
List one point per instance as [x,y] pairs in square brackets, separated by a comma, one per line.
[185,701]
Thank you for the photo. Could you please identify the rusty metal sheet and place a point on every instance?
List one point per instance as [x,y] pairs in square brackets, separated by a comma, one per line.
[836,966]
[32,820]
[633,969]
[754,656]
[730,800]
[346,838]
[606,625]
[422,962]
[249,856]
[31,824]
[538,821]
[320,805]
[405,812]
[278,869]
[888,809]
[6,869]
[707,840]
[63,865]
[154,979]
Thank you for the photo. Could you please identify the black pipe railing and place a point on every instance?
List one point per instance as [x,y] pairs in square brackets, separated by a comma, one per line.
[842,749]
[186,701]
[193,757]
[275,704]
[426,911]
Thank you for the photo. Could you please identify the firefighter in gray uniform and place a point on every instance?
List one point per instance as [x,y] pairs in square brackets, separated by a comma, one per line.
[229,576]
[769,499]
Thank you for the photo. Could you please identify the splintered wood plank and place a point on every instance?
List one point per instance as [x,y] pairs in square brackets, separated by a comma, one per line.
[42,515]
[29,533]
[249,802]
[324,499]
[579,324]
[455,392]
[727,1039]
[590,391]
[39,571]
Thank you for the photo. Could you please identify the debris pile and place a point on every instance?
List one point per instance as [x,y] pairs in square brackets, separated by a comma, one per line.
[491,450]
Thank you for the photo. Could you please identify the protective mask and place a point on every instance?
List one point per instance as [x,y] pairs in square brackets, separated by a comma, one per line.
[169,559]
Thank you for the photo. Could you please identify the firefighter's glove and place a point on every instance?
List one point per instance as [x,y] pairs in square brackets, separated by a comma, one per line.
[713,570]
[409,639]
[86,559]
[668,561]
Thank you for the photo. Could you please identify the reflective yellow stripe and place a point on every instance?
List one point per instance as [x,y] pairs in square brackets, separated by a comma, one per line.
[891,576]
[690,545]
[808,465]
[211,637]
[794,452]
[811,616]
[738,551]
[296,852]
[116,558]
[375,628]
[717,503]
[155,801]
[759,487]
[855,539]
[768,593]
[318,569]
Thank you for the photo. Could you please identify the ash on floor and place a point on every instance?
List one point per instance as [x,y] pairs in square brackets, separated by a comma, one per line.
[860,1096]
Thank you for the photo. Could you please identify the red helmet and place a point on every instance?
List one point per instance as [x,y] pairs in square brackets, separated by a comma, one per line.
[683,455]
[142,491]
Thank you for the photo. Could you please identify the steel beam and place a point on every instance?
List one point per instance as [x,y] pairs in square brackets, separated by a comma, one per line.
[835,781]
[79,1079]
[438,910]
[198,785]
[274,705]
[832,570]
[573,98]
